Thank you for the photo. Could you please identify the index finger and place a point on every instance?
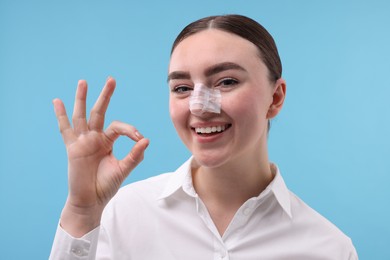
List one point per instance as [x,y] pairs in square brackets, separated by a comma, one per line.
[96,121]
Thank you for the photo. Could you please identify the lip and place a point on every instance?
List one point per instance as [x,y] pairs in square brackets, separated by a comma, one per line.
[208,124]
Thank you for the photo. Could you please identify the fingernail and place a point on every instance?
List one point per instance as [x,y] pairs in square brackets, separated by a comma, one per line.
[109,77]
[138,135]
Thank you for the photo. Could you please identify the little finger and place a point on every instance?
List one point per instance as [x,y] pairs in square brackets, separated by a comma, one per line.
[63,121]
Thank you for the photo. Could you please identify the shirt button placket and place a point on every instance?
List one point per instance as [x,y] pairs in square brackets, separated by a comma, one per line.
[221,253]
[224,255]
[78,251]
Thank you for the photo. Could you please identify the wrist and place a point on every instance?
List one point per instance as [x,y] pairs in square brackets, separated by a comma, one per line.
[79,221]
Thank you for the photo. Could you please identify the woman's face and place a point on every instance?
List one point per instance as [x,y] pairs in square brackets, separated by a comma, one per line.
[230,63]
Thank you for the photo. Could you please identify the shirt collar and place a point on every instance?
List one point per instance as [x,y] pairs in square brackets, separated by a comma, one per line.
[280,190]
[181,178]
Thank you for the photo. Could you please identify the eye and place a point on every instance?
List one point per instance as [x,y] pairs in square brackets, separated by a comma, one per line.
[182,89]
[227,82]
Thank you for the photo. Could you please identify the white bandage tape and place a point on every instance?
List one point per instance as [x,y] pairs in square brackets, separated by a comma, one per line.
[204,99]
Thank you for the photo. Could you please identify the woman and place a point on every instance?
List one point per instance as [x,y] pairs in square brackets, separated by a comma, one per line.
[227,201]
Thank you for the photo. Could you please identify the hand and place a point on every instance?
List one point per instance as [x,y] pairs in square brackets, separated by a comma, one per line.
[94,174]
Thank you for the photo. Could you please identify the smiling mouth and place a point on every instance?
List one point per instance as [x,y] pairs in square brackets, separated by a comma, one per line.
[211,129]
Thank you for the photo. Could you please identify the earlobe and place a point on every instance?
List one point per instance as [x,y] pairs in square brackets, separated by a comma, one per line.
[277,98]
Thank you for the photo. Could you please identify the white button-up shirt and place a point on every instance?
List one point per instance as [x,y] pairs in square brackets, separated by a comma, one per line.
[163,218]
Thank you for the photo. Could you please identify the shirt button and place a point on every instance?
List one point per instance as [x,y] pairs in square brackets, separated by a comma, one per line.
[223,254]
[78,251]
[246,211]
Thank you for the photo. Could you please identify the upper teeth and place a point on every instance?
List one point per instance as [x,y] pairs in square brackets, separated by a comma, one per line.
[208,130]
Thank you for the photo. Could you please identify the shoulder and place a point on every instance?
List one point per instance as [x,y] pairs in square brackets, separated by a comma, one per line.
[150,188]
[318,230]
[145,195]
[136,200]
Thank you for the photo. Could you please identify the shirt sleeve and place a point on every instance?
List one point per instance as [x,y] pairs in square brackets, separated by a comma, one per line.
[67,247]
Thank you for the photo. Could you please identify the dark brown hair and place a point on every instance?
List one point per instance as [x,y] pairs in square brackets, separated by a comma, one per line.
[244,27]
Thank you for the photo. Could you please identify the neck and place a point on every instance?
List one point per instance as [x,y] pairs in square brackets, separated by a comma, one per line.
[233,183]
[226,188]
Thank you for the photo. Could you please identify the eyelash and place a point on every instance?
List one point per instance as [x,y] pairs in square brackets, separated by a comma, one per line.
[232,82]
[183,89]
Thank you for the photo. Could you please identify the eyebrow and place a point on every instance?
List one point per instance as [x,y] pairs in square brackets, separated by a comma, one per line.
[215,69]
[220,67]
[178,75]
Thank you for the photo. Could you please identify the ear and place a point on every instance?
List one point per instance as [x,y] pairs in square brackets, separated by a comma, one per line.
[277,98]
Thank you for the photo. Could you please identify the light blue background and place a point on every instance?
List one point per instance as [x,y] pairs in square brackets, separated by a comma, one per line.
[331,141]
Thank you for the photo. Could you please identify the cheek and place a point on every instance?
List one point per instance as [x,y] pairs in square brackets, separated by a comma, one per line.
[242,103]
[246,108]
[178,110]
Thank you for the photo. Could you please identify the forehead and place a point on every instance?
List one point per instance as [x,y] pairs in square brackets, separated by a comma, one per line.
[213,46]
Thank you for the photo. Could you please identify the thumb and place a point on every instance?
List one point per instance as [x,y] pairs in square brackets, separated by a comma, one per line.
[134,157]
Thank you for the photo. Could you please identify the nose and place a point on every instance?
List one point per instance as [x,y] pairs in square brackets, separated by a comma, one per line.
[204,99]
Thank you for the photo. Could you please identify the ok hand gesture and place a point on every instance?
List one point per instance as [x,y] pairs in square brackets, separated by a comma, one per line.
[94,174]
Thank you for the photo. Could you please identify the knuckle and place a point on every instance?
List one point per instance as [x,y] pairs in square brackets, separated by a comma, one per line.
[135,159]
[115,123]
[63,130]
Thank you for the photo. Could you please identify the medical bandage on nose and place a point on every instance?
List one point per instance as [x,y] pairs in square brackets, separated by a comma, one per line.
[204,99]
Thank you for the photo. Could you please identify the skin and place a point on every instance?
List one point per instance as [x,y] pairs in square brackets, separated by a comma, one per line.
[236,159]
[233,160]
[94,174]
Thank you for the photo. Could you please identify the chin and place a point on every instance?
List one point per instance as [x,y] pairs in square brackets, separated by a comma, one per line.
[209,160]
